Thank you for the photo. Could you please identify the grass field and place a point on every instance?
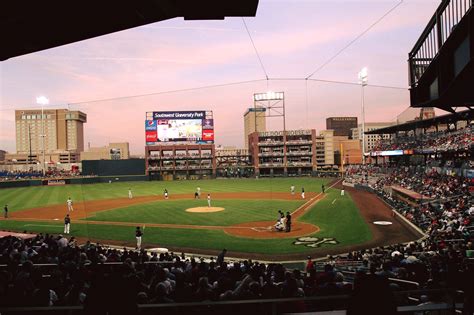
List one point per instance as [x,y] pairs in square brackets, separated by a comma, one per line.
[337,216]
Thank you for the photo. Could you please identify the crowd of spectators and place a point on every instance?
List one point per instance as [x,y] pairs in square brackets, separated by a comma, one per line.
[51,173]
[84,276]
[441,141]
[445,214]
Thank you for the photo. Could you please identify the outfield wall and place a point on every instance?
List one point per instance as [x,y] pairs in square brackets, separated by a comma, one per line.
[113,167]
[72,181]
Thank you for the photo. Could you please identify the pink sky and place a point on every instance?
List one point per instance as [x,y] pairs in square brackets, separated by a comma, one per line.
[293,38]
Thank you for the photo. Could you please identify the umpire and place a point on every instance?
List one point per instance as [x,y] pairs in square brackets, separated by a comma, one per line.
[288,222]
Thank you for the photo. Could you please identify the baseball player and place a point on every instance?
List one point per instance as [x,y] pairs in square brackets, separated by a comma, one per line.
[5,211]
[67,224]
[166,193]
[199,192]
[130,196]
[209,200]
[69,205]
[292,189]
[342,192]
[302,192]
[138,236]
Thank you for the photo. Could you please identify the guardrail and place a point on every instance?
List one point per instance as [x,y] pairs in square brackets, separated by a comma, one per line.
[261,306]
[443,22]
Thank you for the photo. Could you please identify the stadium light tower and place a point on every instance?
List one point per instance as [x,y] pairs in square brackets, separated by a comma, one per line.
[363,80]
[42,100]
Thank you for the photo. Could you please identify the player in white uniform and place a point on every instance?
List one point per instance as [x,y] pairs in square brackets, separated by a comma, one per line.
[199,192]
[292,189]
[302,192]
[69,205]
[209,200]
[130,196]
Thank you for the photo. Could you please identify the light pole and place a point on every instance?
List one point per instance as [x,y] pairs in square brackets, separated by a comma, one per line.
[363,79]
[42,100]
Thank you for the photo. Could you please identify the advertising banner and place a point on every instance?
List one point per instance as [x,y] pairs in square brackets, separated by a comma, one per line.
[150,125]
[151,136]
[208,135]
[208,124]
[179,115]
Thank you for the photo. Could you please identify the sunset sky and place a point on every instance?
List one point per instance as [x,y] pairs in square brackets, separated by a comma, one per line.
[293,37]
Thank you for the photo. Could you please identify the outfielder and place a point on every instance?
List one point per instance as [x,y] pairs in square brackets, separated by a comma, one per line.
[130,196]
[69,205]
[209,200]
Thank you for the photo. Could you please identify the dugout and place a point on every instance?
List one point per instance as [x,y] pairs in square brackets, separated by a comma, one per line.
[113,167]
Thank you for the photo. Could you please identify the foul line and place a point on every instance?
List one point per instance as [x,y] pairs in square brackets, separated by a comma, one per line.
[314,199]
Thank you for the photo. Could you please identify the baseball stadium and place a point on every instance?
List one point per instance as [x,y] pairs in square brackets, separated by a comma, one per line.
[362,217]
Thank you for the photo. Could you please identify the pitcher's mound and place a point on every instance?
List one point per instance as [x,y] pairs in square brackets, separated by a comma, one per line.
[205,209]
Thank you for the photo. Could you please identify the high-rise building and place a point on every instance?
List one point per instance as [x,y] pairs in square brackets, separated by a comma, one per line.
[341,125]
[254,121]
[62,130]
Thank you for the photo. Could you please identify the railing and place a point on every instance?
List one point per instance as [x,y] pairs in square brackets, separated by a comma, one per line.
[261,306]
[443,22]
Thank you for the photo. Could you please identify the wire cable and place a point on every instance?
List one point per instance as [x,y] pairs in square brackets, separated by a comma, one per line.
[255,48]
[202,88]
[354,40]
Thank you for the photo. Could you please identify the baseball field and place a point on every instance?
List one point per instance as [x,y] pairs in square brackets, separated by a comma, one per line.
[240,218]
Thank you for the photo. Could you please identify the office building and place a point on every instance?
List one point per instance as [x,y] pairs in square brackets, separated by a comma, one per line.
[113,151]
[341,125]
[62,130]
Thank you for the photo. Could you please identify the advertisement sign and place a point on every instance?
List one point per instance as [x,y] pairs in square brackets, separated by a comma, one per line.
[150,125]
[208,124]
[55,182]
[179,115]
[208,135]
[179,126]
[151,136]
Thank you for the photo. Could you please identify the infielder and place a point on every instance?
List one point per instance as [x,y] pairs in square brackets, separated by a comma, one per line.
[342,192]
[199,192]
[138,236]
[209,200]
[130,196]
[69,205]
[166,193]
[67,224]
[302,192]
[292,189]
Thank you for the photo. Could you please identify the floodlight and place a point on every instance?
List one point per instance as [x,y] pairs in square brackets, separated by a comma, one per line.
[42,100]
[363,76]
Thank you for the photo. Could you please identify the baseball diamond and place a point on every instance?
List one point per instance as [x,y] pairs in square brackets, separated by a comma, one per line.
[248,210]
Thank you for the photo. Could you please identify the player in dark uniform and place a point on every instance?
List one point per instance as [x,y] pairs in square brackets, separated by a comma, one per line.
[288,222]
[5,211]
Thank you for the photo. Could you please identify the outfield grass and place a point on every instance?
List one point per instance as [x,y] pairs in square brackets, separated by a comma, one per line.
[173,212]
[31,197]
